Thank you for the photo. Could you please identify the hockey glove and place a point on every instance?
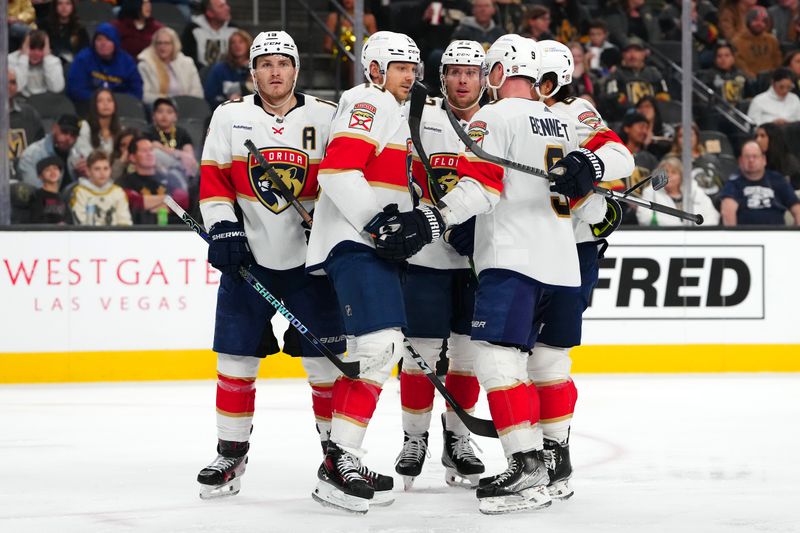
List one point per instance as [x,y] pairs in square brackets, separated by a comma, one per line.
[228,249]
[575,174]
[398,236]
[462,237]
[612,220]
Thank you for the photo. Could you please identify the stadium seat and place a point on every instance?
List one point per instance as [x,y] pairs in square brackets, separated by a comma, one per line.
[51,106]
[96,12]
[192,107]
[716,142]
[130,106]
[197,131]
[169,15]
[728,165]
[135,123]
[670,111]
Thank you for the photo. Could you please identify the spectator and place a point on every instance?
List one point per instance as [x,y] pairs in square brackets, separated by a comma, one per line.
[659,135]
[47,206]
[634,135]
[433,35]
[146,186]
[60,142]
[724,77]
[569,20]
[231,78]
[538,24]
[598,43]
[120,164]
[165,71]
[21,17]
[480,26]
[792,62]
[672,196]
[99,130]
[758,50]
[772,141]
[509,14]
[169,138]
[783,15]
[136,25]
[38,71]
[705,166]
[698,149]
[704,32]
[103,64]
[732,16]
[777,104]
[343,28]
[583,81]
[756,195]
[67,35]
[25,125]
[628,18]
[632,81]
[96,200]
[206,39]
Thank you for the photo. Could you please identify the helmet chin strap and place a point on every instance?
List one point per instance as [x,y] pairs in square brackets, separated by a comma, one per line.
[543,97]
[494,88]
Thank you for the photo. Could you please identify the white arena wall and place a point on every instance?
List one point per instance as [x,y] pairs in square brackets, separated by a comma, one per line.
[139,305]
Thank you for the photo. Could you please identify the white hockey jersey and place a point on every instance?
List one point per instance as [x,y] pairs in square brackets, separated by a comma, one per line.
[442,146]
[367,165]
[528,230]
[294,145]
[593,134]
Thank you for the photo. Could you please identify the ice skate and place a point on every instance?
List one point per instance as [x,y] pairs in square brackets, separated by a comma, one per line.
[223,476]
[382,485]
[341,486]
[559,468]
[411,458]
[462,467]
[522,486]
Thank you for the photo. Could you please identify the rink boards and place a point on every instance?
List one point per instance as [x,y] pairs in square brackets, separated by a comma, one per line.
[139,305]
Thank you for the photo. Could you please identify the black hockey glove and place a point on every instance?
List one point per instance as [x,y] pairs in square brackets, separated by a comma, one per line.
[462,237]
[612,220]
[228,249]
[575,174]
[398,236]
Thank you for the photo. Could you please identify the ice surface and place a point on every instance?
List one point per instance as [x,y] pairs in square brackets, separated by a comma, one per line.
[705,453]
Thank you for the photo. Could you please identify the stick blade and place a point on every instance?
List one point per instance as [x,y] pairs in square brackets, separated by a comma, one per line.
[659,180]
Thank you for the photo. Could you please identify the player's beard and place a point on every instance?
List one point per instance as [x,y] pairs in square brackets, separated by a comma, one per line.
[273,98]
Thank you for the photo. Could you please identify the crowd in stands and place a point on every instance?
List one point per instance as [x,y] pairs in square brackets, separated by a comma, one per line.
[109,101]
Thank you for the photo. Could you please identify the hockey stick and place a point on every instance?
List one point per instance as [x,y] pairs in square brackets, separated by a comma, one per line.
[287,193]
[478,426]
[350,369]
[659,179]
[419,93]
[478,151]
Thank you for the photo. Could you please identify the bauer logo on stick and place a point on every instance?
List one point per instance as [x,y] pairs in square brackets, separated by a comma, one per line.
[362,116]
[292,167]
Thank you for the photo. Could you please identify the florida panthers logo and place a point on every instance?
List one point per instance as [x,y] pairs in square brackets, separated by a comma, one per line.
[444,170]
[477,131]
[292,168]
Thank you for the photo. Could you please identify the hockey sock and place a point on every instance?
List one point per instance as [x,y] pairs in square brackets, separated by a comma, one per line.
[321,377]
[416,390]
[236,396]
[354,403]
[511,412]
[557,406]
[416,398]
[465,390]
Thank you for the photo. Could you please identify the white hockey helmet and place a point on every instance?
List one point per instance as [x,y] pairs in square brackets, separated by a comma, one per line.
[274,42]
[468,53]
[556,58]
[519,56]
[385,47]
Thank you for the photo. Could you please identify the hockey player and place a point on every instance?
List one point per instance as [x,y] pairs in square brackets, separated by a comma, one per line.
[366,166]
[523,244]
[439,288]
[549,365]
[290,129]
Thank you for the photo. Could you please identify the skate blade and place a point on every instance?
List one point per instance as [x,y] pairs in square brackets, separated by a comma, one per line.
[528,499]
[408,482]
[210,492]
[560,490]
[330,496]
[454,479]
[382,498]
